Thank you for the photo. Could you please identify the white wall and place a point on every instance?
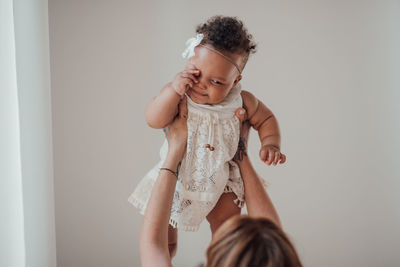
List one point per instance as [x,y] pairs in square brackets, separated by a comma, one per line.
[327,69]
[12,242]
[33,78]
[26,191]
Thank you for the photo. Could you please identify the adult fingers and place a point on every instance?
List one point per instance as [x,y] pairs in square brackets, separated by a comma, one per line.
[241,114]
[183,111]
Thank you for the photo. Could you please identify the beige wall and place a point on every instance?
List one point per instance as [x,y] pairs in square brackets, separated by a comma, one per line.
[326,69]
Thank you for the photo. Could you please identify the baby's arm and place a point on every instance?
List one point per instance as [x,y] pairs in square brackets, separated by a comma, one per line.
[163,108]
[263,120]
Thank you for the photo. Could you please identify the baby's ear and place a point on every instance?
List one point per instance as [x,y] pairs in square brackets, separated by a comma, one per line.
[238,78]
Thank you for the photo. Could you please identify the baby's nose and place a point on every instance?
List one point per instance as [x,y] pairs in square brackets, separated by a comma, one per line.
[202,85]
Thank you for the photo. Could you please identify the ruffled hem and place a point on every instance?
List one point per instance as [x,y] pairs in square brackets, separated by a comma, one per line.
[137,203]
[173,222]
[237,201]
[240,202]
[186,228]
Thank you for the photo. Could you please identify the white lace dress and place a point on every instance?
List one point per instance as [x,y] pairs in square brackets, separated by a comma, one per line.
[204,174]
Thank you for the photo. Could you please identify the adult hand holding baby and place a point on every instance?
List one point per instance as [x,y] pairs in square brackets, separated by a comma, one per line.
[268,153]
[244,134]
[176,132]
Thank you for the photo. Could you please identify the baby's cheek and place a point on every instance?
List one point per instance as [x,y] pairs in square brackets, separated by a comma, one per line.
[217,96]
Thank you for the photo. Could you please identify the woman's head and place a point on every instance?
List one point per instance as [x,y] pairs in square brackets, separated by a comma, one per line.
[246,241]
[219,73]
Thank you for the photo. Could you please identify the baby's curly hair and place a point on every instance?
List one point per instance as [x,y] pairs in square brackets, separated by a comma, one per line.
[227,34]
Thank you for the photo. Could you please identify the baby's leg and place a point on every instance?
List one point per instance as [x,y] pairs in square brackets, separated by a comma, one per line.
[172,240]
[224,209]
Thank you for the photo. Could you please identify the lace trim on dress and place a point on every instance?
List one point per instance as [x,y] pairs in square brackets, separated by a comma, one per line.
[204,174]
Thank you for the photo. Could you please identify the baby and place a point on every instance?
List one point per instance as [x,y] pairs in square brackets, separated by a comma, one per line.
[208,178]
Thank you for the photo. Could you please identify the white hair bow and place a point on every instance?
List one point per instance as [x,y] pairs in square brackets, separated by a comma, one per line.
[191,44]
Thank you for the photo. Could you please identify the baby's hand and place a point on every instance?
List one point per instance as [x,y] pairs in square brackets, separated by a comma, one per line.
[271,154]
[185,79]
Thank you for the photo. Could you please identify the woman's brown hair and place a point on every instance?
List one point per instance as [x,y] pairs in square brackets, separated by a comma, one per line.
[244,241]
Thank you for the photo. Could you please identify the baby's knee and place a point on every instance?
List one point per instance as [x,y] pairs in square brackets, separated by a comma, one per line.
[216,219]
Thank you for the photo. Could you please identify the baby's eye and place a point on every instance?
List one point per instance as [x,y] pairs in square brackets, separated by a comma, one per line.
[217,82]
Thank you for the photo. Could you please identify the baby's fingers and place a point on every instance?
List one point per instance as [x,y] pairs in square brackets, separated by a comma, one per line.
[283,159]
[277,157]
[271,156]
[190,76]
[186,82]
[263,155]
[193,71]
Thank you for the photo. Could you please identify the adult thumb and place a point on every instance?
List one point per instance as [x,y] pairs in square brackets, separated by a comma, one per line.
[241,114]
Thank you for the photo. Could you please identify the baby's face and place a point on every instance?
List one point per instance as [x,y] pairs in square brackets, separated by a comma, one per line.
[217,75]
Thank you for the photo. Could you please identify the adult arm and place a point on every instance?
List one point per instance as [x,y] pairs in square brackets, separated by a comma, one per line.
[257,199]
[154,233]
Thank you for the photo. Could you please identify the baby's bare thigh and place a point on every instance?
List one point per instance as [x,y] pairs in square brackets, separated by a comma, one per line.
[223,210]
[172,235]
